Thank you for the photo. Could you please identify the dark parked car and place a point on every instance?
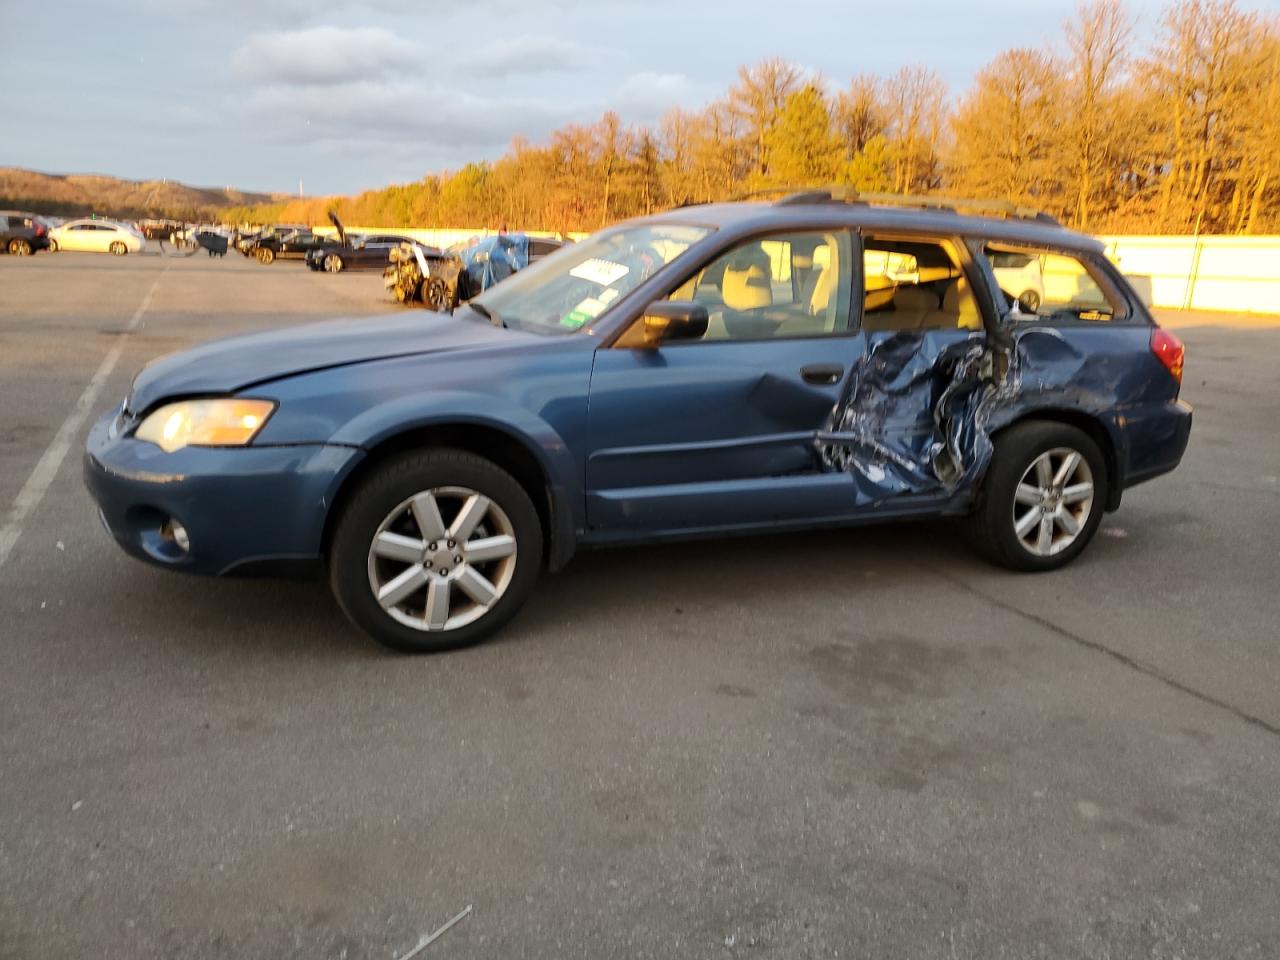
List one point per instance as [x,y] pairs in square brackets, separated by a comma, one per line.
[820,361]
[22,233]
[354,253]
[290,245]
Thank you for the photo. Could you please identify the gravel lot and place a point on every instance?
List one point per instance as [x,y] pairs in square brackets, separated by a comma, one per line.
[857,744]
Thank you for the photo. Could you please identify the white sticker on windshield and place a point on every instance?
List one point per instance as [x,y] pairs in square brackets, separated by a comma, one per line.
[591,307]
[608,296]
[603,272]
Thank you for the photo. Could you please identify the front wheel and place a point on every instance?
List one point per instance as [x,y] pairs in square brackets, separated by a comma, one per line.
[118,248]
[333,263]
[1043,497]
[1029,301]
[265,255]
[435,550]
[19,247]
[53,246]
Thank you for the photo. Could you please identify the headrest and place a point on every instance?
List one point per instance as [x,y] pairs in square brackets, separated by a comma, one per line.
[745,288]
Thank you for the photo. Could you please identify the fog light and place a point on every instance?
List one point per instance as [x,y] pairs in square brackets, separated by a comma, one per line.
[176,532]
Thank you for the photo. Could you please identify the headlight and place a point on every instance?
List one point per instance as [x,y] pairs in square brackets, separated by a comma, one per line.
[205,423]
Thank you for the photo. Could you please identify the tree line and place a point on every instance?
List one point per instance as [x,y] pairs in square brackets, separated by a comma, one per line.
[1182,136]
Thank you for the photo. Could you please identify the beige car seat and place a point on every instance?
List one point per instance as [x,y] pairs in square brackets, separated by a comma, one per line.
[746,287]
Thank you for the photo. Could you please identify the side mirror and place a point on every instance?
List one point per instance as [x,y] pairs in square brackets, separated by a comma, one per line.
[674,320]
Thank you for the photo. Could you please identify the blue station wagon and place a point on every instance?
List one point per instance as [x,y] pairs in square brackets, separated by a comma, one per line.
[826,359]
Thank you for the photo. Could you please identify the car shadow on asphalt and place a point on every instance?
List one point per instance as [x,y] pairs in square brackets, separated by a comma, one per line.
[599,592]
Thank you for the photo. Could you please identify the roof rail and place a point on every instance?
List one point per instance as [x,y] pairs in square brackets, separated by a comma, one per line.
[989,208]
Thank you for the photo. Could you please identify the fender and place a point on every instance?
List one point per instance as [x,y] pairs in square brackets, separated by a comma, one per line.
[432,407]
[1070,408]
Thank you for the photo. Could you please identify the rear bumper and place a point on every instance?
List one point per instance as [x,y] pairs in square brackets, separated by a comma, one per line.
[241,508]
[1157,440]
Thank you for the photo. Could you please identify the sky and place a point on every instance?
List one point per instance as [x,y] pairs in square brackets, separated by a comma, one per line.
[346,95]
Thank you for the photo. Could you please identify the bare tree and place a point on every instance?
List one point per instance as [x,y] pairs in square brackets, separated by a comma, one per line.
[757,100]
[1097,39]
[915,99]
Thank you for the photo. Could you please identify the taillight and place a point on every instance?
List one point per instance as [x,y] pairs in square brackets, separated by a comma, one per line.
[1169,351]
[39,229]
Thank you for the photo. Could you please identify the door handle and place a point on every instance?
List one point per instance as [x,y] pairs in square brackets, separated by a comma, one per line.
[822,374]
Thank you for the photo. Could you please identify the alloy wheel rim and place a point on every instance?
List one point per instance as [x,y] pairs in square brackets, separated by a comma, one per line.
[1053,501]
[332,264]
[442,559]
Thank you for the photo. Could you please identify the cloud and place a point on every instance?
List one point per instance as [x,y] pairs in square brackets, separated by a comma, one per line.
[530,54]
[321,55]
[399,111]
[646,96]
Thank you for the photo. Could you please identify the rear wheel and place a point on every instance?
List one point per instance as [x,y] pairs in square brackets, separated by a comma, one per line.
[435,550]
[118,248]
[19,247]
[1043,497]
[265,255]
[1029,301]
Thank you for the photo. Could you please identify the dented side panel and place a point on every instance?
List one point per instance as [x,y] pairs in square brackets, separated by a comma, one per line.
[919,410]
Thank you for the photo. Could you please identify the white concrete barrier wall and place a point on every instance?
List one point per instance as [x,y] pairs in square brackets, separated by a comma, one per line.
[442,237]
[1239,274]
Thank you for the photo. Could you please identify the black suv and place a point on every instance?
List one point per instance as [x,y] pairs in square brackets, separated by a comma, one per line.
[22,233]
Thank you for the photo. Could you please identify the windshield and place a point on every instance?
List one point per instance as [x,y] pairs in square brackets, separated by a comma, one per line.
[578,283]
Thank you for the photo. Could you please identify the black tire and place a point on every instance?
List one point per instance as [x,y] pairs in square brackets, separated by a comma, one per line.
[378,496]
[991,528]
[19,247]
[265,255]
[332,263]
[53,246]
[1029,301]
[118,248]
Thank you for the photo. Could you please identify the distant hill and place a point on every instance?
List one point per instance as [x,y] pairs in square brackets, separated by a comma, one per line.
[75,194]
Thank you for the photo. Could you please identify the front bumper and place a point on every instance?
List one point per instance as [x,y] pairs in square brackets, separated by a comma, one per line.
[241,507]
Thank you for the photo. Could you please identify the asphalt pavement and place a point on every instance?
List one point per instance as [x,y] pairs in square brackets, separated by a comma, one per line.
[861,743]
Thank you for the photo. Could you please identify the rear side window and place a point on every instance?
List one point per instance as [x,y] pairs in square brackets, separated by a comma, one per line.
[1054,286]
[915,284]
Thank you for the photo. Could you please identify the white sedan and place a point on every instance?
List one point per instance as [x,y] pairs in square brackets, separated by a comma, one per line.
[95,236]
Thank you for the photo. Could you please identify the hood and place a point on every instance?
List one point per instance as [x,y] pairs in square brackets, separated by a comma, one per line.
[225,366]
[342,232]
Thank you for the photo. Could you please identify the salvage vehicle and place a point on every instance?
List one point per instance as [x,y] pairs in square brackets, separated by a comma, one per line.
[490,260]
[294,244]
[440,280]
[427,275]
[353,252]
[827,359]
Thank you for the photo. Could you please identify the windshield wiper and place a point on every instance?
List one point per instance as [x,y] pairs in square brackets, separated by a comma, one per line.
[485,312]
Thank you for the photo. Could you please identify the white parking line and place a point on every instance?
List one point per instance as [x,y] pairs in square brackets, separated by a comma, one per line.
[46,469]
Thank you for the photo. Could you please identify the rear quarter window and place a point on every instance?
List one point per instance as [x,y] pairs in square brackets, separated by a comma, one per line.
[1055,287]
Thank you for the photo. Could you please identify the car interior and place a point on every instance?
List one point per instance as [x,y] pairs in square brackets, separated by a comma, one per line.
[913,284]
[785,286]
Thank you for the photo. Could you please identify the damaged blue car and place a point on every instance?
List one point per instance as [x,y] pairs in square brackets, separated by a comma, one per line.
[826,359]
